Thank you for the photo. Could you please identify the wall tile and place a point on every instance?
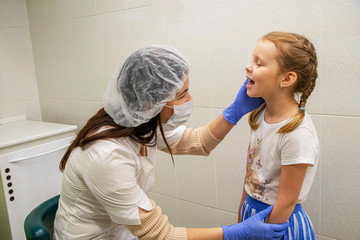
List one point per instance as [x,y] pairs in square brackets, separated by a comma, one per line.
[13,13]
[82,8]
[154,28]
[226,218]
[186,24]
[272,16]
[165,175]
[196,180]
[200,84]
[57,10]
[50,109]
[69,112]
[3,111]
[18,88]
[232,38]
[9,110]
[3,96]
[340,29]
[32,110]
[186,30]
[88,61]
[29,108]
[138,3]
[230,158]
[44,61]
[339,177]
[36,12]
[104,6]
[197,216]
[312,205]
[89,109]
[326,238]
[169,207]
[64,61]
[45,11]
[113,35]
[17,66]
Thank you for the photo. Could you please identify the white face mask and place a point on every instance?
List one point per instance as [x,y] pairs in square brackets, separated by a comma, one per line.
[181,114]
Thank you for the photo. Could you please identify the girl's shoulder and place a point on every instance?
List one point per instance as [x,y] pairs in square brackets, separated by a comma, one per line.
[308,124]
[306,131]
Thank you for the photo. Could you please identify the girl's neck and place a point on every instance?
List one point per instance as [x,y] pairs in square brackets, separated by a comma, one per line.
[280,109]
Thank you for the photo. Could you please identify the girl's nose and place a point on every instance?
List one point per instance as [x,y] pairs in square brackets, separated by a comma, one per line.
[248,68]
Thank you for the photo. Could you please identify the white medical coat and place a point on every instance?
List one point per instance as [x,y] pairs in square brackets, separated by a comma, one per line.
[103,185]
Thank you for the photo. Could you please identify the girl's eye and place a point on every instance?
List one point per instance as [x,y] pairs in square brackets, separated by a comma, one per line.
[257,63]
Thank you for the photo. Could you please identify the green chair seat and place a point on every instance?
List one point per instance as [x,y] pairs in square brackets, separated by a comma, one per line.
[39,224]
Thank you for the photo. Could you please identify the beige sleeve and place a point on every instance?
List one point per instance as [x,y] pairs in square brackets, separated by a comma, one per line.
[199,141]
[155,226]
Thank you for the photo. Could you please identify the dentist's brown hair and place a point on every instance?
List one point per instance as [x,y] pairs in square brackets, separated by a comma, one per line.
[93,131]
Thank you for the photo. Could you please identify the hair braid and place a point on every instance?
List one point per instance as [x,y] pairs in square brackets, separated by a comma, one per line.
[312,72]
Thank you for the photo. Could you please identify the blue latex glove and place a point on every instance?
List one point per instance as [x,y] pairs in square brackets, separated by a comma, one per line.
[253,228]
[242,105]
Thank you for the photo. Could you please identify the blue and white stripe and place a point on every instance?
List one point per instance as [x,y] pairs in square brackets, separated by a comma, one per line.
[300,227]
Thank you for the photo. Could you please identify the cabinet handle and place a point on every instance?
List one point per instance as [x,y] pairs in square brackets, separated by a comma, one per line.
[34,156]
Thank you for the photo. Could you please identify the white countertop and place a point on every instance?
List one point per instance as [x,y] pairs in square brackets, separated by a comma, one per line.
[20,130]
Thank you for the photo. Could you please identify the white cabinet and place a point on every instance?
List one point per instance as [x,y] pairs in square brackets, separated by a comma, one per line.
[29,165]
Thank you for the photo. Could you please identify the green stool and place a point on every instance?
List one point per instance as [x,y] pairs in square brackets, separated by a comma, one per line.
[39,224]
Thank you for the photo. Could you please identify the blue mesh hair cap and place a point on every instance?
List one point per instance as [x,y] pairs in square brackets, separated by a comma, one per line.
[148,79]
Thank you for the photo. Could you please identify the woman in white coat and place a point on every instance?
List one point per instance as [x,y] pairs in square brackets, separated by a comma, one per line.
[109,167]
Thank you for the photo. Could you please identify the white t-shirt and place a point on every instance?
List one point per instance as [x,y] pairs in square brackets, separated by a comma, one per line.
[269,150]
[103,185]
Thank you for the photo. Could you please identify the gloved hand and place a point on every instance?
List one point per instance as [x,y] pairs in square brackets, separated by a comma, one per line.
[253,228]
[242,105]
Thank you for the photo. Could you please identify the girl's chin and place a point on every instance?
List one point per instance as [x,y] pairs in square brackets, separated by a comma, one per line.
[251,94]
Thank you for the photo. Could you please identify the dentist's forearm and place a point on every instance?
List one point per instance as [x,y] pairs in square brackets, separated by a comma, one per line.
[205,233]
[219,127]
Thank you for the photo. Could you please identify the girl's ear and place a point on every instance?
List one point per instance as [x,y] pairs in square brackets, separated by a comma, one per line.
[289,80]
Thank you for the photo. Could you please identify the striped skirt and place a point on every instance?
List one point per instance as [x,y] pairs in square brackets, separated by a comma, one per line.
[300,225]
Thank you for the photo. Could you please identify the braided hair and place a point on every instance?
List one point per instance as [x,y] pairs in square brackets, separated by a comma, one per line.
[296,54]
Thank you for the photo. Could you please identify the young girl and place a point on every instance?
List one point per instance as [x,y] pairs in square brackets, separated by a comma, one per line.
[284,147]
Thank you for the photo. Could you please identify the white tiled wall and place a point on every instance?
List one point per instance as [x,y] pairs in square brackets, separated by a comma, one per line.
[78,44]
[18,87]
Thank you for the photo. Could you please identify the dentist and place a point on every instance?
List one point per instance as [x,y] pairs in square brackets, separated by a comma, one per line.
[109,167]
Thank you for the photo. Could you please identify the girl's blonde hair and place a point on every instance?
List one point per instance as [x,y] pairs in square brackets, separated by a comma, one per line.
[295,54]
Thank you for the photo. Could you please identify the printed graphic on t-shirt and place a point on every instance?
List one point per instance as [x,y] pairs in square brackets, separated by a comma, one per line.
[253,185]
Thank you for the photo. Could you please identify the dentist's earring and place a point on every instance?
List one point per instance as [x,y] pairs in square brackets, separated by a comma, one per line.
[280,86]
